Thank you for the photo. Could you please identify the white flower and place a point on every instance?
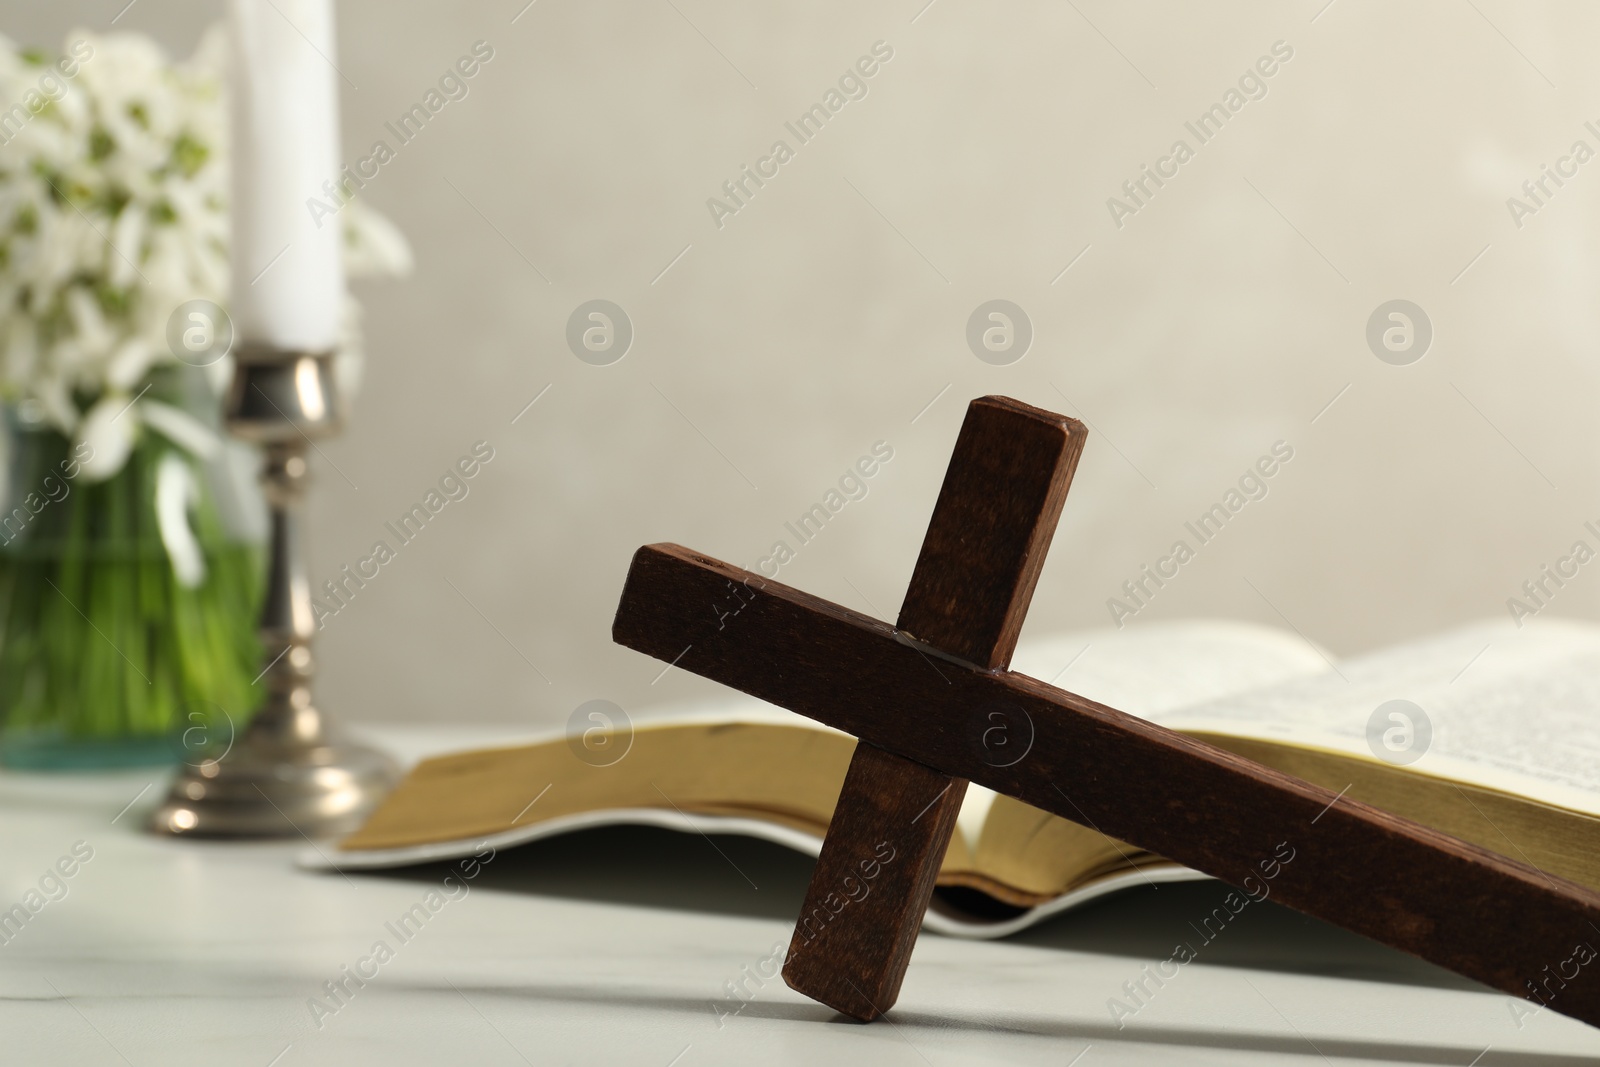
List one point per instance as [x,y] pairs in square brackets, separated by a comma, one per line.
[177,491]
[93,337]
[373,244]
[129,363]
[113,211]
[108,430]
[179,427]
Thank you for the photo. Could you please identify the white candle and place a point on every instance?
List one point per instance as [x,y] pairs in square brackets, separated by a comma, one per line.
[288,271]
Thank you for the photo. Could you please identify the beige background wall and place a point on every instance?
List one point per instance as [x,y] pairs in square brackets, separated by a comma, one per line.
[831,310]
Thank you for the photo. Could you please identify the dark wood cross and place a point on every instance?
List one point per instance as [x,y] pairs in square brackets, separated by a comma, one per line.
[933,706]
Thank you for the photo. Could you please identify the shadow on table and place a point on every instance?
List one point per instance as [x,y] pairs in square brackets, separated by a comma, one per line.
[646,866]
[1151,922]
[921,1024]
[736,875]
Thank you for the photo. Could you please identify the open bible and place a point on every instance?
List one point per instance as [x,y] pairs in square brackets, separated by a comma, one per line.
[1490,733]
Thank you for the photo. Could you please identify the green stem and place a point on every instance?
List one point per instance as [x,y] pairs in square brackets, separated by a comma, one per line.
[98,638]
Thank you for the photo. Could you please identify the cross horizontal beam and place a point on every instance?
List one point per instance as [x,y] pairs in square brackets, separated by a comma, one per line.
[1395,881]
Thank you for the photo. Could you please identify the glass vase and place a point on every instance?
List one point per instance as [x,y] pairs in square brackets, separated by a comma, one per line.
[107,657]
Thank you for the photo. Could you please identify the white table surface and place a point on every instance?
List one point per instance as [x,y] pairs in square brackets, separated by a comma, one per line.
[612,948]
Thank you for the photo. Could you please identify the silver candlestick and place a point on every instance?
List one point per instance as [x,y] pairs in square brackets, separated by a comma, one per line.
[290,773]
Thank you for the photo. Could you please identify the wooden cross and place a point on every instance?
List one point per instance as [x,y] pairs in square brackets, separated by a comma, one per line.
[933,706]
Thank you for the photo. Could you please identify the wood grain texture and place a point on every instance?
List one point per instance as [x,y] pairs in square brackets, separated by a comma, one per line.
[1454,904]
[991,528]
[872,883]
[980,561]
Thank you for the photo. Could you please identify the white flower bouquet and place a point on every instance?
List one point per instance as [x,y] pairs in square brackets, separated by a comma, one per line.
[127,608]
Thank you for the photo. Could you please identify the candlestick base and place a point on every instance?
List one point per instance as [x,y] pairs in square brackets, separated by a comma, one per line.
[258,790]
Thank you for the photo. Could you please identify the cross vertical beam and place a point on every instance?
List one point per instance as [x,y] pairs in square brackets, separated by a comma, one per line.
[969,592]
